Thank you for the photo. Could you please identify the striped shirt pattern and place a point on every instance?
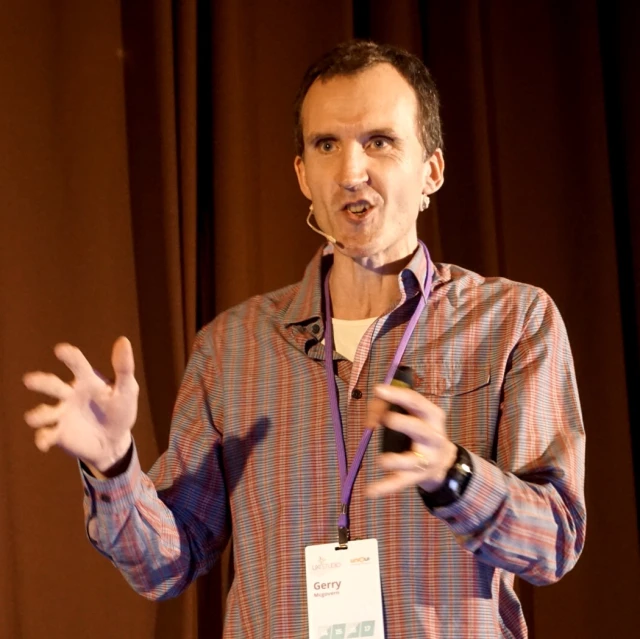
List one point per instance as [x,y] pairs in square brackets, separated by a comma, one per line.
[252,456]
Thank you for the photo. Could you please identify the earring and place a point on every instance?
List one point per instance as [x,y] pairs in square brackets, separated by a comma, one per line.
[424,202]
[311,208]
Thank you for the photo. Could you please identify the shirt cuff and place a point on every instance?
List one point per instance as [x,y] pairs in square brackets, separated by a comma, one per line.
[483,496]
[115,494]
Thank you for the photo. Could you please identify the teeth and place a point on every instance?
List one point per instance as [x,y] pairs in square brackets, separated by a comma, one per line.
[357,208]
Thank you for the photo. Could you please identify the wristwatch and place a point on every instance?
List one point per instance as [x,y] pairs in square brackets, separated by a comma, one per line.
[455,482]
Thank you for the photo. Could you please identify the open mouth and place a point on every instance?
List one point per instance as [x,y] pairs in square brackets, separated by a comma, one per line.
[359,208]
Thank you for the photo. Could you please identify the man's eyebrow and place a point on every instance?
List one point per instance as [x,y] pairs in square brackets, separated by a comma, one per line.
[384,132]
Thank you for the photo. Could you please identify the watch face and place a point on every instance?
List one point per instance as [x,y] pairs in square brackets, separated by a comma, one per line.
[454,485]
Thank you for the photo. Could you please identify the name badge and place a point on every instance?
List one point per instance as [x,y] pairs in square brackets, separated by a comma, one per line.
[344,598]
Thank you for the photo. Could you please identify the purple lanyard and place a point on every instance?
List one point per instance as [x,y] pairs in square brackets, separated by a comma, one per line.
[347,480]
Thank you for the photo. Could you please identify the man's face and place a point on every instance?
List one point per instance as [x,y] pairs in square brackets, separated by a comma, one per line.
[364,168]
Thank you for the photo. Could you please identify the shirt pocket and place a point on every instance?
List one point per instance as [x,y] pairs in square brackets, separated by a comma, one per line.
[466,396]
[441,381]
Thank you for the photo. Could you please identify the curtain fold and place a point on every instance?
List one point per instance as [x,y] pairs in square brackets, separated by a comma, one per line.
[160,77]
[67,273]
[620,52]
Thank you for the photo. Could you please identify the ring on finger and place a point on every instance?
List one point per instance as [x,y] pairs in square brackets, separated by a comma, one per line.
[422,463]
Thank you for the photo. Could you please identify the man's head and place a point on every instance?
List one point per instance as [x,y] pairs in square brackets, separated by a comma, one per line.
[354,56]
[367,158]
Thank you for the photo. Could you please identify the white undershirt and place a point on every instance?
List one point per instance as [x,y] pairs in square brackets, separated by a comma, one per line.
[347,335]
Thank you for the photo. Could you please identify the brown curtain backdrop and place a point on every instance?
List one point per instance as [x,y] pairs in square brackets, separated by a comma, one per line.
[146,184]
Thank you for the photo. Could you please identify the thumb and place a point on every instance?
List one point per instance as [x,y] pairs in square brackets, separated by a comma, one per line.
[46,437]
[376,409]
[123,366]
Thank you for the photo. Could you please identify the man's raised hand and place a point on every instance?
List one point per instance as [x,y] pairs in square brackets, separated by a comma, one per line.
[432,454]
[93,418]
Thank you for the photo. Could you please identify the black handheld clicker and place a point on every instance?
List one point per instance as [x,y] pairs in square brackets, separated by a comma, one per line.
[392,440]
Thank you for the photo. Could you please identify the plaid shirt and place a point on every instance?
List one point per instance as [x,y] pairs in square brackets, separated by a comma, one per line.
[252,456]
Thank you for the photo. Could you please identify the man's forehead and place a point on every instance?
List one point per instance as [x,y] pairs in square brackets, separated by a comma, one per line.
[376,98]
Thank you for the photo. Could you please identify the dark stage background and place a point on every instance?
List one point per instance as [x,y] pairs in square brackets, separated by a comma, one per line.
[146,184]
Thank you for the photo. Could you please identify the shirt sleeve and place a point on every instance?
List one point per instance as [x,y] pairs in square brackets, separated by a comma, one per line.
[526,512]
[164,529]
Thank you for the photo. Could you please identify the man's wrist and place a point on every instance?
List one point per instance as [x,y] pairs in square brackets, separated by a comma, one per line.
[109,470]
[454,484]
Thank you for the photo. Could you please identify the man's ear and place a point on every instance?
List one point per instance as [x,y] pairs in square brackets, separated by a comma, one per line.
[434,172]
[298,165]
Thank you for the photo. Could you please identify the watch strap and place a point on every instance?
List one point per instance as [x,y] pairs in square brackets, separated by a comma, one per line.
[455,482]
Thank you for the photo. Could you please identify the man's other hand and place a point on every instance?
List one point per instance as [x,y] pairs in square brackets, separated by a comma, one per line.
[432,453]
[93,418]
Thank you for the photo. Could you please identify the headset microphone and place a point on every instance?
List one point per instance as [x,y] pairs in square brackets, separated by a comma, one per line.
[330,238]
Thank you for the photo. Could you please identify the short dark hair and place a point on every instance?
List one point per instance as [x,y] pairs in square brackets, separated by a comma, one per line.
[354,56]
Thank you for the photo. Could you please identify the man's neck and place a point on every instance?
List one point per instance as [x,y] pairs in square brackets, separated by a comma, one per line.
[360,290]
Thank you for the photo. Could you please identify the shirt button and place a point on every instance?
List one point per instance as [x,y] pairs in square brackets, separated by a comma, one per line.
[315,329]
[356,393]
[450,520]
[105,498]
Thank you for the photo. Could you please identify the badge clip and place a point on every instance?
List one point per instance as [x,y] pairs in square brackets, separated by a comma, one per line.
[343,531]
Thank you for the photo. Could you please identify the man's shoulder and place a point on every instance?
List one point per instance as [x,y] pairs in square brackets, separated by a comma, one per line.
[274,304]
[465,288]
[464,279]
[257,312]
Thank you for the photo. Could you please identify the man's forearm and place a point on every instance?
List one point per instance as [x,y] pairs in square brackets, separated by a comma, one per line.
[535,530]
[158,554]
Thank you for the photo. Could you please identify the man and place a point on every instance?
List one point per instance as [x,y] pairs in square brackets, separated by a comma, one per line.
[270,417]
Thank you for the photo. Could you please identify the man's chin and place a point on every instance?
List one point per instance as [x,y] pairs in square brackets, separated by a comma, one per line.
[374,252]
[356,249]
[362,252]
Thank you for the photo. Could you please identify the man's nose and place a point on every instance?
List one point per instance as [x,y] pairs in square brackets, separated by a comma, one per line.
[353,168]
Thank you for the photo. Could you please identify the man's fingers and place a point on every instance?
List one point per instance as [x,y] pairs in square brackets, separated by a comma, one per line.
[411,426]
[124,366]
[46,437]
[410,461]
[47,383]
[42,415]
[74,360]
[376,409]
[410,400]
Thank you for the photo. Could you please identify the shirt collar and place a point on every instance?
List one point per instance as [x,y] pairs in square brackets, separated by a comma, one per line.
[306,305]
[412,277]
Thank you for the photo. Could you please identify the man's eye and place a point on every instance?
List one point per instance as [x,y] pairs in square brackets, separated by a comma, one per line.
[326,146]
[380,143]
